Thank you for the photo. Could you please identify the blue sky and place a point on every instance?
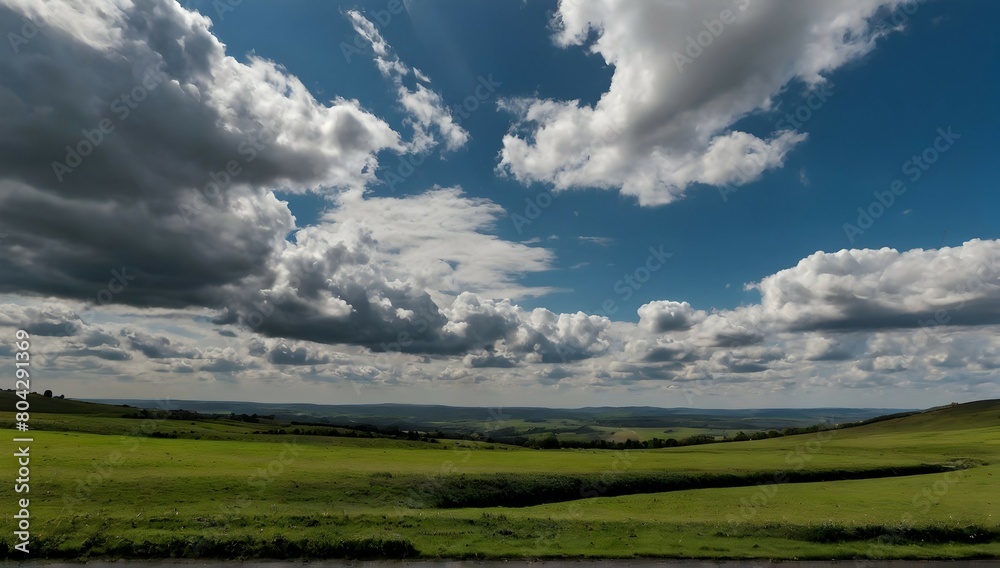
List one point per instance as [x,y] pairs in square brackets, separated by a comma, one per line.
[941,71]
[642,203]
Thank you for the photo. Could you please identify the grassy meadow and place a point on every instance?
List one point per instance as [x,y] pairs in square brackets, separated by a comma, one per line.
[922,486]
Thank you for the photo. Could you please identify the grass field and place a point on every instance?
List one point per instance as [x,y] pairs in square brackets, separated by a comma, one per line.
[101,486]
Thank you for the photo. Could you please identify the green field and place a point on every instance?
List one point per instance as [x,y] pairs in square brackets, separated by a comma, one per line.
[923,486]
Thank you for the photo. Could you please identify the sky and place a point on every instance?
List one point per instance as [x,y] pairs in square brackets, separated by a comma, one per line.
[715,204]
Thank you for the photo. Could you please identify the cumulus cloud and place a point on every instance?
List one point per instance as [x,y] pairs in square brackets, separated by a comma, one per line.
[885,288]
[824,302]
[157,346]
[327,287]
[849,318]
[417,274]
[282,354]
[537,336]
[128,137]
[440,242]
[667,119]
[819,348]
[666,315]
[47,318]
[172,202]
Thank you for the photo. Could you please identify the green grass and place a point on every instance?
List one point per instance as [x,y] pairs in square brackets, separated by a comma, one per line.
[957,498]
[644,434]
[245,495]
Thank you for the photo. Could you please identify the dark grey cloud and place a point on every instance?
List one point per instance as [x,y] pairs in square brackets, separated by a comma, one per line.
[489,360]
[666,354]
[46,320]
[106,353]
[157,346]
[282,354]
[225,366]
[153,113]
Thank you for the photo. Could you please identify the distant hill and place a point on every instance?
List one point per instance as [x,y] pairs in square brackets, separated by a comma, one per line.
[524,426]
[41,403]
[475,419]
[965,416]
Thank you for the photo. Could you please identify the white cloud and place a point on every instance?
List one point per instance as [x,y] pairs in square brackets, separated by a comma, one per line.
[600,241]
[666,123]
[665,315]
[439,241]
[425,107]
[885,288]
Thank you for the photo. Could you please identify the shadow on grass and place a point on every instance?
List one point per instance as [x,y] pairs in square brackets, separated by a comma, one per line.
[525,490]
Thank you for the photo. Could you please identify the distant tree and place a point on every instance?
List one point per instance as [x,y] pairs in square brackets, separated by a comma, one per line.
[698,439]
[48,394]
[549,442]
[741,437]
